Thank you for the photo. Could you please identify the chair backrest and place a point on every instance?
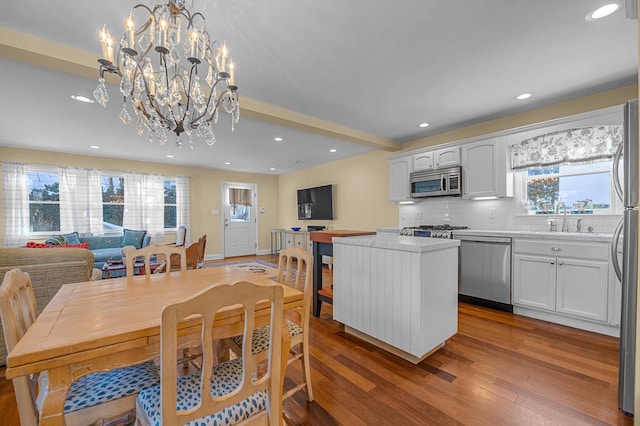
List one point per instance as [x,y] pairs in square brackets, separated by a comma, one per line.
[181,236]
[18,311]
[295,269]
[162,252]
[202,245]
[206,305]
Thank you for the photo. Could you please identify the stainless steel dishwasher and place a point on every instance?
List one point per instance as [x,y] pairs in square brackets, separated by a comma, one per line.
[485,271]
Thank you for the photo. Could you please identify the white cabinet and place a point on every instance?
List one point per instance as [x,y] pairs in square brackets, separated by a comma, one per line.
[298,238]
[534,281]
[399,187]
[437,159]
[569,278]
[485,169]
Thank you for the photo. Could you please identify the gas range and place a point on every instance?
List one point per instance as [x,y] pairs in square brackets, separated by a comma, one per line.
[430,231]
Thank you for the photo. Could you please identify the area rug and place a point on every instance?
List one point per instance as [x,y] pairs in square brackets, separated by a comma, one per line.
[267,269]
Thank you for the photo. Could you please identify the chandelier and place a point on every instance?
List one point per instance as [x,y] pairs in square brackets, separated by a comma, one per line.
[160,64]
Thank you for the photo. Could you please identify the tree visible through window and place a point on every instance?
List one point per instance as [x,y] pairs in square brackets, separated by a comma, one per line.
[170,205]
[44,201]
[112,202]
[583,188]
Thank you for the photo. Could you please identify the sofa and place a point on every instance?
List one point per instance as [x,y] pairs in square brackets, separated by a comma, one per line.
[49,270]
[104,247]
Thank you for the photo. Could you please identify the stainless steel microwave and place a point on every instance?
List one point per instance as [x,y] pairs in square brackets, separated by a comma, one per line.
[436,183]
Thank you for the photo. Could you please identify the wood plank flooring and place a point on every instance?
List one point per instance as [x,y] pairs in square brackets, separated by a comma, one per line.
[500,369]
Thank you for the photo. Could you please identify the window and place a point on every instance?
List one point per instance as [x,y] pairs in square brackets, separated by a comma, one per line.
[170,205]
[44,201]
[112,202]
[583,188]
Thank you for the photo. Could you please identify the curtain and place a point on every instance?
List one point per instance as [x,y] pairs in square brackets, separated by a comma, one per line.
[80,201]
[182,202]
[15,201]
[574,146]
[144,204]
[94,202]
[239,197]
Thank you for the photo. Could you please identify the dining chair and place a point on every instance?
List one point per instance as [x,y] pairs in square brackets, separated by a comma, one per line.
[299,277]
[195,253]
[162,252]
[100,398]
[226,393]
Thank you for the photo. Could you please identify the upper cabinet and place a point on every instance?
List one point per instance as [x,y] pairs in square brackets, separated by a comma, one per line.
[399,187]
[485,170]
[437,159]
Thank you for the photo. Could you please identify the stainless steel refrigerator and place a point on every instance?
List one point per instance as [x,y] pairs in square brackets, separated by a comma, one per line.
[628,228]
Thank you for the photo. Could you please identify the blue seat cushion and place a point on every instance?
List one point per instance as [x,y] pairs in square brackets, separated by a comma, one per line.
[100,256]
[226,378]
[71,238]
[97,388]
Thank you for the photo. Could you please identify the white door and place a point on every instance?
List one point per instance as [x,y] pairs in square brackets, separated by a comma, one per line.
[240,219]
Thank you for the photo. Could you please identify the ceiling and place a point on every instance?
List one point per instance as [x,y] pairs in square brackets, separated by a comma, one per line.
[351,75]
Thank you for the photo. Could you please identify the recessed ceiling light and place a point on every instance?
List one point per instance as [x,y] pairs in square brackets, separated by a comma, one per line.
[333,150]
[278,139]
[83,99]
[523,96]
[227,163]
[169,155]
[423,125]
[602,11]
[94,147]
[272,168]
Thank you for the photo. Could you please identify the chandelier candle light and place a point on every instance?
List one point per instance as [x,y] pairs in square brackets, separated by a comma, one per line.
[167,95]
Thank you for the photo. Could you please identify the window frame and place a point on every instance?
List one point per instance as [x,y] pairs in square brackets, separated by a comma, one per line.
[42,169]
[175,183]
[119,175]
[606,166]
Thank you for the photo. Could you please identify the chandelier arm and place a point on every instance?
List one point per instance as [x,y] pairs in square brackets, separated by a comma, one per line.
[209,101]
[186,109]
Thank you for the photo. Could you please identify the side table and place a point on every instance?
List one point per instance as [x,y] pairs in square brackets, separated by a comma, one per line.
[277,240]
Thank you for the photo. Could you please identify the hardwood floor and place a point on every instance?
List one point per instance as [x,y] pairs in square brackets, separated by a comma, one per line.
[500,369]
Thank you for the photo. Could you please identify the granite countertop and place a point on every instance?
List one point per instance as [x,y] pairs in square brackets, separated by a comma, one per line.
[538,235]
[397,242]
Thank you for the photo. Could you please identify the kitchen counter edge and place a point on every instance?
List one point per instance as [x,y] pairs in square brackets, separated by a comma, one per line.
[537,235]
[397,242]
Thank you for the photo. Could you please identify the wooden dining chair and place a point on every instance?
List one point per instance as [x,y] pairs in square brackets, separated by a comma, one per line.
[295,269]
[100,398]
[162,252]
[195,253]
[227,393]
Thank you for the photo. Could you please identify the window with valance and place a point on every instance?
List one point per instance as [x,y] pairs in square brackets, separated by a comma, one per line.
[571,166]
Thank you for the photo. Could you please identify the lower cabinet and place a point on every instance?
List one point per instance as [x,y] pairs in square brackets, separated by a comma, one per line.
[298,238]
[574,281]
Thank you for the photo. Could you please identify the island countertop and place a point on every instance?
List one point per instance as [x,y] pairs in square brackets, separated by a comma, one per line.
[399,242]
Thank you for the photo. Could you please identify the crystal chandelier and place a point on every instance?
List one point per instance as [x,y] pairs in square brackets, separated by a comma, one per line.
[159,62]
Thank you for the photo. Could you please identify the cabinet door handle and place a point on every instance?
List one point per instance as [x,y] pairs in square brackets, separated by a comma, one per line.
[553,263]
[560,263]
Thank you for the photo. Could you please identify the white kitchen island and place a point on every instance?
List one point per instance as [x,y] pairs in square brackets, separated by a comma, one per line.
[397,292]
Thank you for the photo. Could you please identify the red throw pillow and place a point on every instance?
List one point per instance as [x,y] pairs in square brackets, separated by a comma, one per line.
[33,244]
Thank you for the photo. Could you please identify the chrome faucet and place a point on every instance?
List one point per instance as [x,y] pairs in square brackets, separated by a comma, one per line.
[565,225]
[579,225]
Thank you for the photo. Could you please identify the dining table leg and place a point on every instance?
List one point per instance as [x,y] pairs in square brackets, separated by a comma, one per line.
[52,410]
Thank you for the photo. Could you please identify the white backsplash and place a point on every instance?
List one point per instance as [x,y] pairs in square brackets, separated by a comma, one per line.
[494,214]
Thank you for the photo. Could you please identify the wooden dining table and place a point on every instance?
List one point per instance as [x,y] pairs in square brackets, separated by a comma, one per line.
[102,325]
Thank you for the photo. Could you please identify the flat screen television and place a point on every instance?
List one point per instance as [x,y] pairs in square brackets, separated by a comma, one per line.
[315,203]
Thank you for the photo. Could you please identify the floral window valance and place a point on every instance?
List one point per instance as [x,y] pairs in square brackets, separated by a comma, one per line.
[574,146]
